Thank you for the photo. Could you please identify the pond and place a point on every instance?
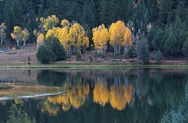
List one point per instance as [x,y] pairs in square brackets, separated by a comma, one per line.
[99,96]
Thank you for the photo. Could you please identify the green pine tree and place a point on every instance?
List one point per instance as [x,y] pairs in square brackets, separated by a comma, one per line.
[143,51]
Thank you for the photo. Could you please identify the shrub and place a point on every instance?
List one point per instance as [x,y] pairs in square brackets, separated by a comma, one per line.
[78,55]
[57,48]
[132,52]
[158,56]
[45,54]
[143,51]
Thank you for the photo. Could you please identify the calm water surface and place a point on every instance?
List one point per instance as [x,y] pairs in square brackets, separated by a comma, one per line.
[99,96]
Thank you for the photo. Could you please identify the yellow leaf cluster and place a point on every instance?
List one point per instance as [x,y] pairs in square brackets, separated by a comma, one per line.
[120,96]
[65,23]
[100,37]
[50,22]
[17,33]
[101,93]
[120,34]
[78,36]
[49,105]
[2,29]
[25,34]
[40,40]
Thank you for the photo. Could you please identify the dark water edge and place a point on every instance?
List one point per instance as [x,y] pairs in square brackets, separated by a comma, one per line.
[134,95]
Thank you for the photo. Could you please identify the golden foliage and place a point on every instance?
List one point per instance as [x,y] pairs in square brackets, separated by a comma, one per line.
[65,23]
[78,36]
[50,22]
[77,94]
[17,33]
[50,106]
[25,35]
[120,34]
[100,38]
[120,96]
[2,29]
[101,93]
[40,40]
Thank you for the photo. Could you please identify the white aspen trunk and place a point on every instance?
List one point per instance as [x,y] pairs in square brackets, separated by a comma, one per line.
[18,41]
[1,41]
[125,49]
[23,43]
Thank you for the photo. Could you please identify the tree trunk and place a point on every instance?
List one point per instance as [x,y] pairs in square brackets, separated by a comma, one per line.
[23,43]
[18,41]
[1,41]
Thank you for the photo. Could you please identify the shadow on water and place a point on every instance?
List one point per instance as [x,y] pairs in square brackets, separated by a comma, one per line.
[132,96]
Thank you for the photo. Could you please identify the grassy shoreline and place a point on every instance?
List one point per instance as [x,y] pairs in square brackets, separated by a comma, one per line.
[89,66]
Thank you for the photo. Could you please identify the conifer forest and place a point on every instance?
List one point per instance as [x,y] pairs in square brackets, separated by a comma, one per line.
[120,26]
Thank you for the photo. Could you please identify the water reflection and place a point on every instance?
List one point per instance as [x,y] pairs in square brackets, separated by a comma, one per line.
[140,95]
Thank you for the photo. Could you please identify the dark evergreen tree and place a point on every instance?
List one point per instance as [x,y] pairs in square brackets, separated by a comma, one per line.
[164,9]
[141,17]
[158,56]
[45,54]
[132,52]
[2,5]
[34,4]
[9,21]
[152,6]
[57,48]
[143,51]
[157,40]
[180,11]
[185,48]
[150,37]
[88,16]
[17,10]
[73,13]
[32,25]
[171,45]
[107,12]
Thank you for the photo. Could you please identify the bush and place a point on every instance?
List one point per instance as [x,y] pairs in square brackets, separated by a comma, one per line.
[57,48]
[132,52]
[158,56]
[45,54]
[143,51]
[78,55]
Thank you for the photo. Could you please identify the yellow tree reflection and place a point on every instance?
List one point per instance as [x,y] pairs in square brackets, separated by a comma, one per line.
[78,93]
[120,96]
[50,106]
[101,93]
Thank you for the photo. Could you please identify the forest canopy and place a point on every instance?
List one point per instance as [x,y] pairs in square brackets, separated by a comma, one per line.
[163,23]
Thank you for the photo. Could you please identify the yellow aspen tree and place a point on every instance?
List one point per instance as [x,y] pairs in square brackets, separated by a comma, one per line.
[50,107]
[47,23]
[78,38]
[40,40]
[42,21]
[118,36]
[100,38]
[117,99]
[120,95]
[65,23]
[2,32]
[50,22]
[17,34]
[63,36]
[127,40]
[101,93]
[25,36]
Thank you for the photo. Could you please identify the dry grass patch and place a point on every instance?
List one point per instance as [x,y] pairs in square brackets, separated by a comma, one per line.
[22,89]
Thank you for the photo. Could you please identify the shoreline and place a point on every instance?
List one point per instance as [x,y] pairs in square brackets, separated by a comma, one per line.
[88,66]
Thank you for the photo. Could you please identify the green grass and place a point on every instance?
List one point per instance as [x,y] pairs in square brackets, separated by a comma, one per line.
[88,66]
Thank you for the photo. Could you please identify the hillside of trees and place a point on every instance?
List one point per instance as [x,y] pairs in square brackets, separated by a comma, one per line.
[158,26]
